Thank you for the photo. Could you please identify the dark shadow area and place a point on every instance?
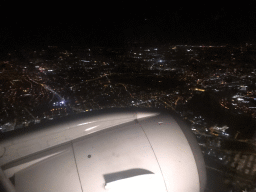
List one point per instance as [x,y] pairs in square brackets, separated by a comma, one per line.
[207,104]
[125,174]
[12,179]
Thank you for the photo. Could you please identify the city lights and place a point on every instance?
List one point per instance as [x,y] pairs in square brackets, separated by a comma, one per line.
[202,84]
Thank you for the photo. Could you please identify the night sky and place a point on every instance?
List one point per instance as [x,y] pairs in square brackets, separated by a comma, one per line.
[118,24]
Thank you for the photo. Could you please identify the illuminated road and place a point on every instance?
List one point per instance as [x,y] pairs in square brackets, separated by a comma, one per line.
[95,78]
[54,92]
[125,89]
[47,88]
[167,104]
[176,102]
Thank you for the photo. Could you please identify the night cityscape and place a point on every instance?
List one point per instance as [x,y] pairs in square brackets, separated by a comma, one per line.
[207,77]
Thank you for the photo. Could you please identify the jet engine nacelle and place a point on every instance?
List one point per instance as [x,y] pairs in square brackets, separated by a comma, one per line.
[108,150]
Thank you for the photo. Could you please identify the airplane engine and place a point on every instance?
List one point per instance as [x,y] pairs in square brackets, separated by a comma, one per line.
[109,150]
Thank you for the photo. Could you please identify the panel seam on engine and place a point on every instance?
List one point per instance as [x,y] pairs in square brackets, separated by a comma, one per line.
[154,155]
[76,166]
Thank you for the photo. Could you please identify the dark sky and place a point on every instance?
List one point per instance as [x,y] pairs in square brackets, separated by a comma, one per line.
[116,24]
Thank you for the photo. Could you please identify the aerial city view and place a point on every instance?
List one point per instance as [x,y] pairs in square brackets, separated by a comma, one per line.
[210,85]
